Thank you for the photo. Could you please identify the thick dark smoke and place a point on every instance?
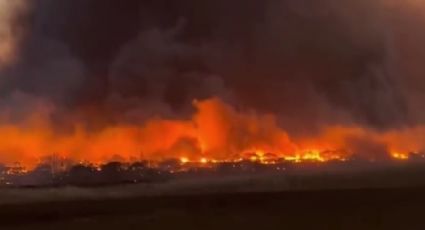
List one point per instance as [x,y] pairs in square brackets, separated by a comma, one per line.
[311,62]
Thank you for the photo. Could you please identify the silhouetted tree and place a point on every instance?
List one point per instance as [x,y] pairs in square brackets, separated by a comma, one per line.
[170,165]
[113,172]
[137,171]
[82,175]
[139,166]
[57,163]
[42,175]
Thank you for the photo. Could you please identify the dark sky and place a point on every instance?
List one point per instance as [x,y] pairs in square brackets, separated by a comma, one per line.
[310,62]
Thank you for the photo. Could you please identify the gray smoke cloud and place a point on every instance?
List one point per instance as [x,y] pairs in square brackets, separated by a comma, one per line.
[311,63]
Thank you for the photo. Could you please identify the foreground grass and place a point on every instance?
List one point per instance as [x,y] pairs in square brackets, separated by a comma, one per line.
[332,209]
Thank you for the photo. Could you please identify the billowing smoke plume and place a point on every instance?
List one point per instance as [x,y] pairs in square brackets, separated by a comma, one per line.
[339,59]
[314,66]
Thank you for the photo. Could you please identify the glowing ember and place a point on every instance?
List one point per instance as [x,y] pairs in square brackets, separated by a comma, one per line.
[400,156]
[184,160]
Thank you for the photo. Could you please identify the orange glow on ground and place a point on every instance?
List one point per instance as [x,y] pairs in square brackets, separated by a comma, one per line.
[400,156]
[204,160]
[184,160]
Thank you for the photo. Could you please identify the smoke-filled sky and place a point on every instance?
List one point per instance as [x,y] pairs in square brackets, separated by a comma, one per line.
[309,64]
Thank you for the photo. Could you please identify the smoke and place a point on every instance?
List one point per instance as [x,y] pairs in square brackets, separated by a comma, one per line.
[269,55]
[312,66]
[10,33]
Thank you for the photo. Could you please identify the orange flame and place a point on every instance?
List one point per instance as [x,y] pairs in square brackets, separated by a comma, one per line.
[216,133]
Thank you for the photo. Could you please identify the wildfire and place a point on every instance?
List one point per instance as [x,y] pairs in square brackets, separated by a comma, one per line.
[204,160]
[216,133]
[400,156]
[308,156]
[184,160]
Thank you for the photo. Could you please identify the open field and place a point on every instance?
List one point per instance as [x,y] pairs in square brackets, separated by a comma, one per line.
[394,208]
